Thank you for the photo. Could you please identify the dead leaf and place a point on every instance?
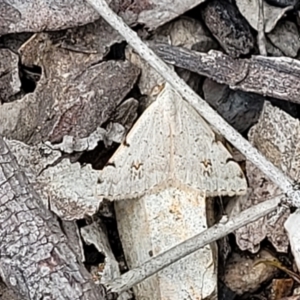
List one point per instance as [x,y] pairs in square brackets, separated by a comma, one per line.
[276,136]
[272,14]
[281,288]
[240,109]
[228,26]
[285,37]
[242,275]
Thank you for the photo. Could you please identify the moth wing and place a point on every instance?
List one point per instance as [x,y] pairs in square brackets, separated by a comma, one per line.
[206,165]
[142,163]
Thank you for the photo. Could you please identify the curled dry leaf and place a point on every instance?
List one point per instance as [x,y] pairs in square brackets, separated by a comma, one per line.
[272,14]
[38,15]
[67,189]
[10,83]
[276,135]
[77,92]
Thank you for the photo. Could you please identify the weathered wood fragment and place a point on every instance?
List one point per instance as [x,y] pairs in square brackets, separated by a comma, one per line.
[277,77]
[36,261]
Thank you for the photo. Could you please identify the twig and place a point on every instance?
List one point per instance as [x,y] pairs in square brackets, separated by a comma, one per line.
[251,153]
[163,260]
[261,39]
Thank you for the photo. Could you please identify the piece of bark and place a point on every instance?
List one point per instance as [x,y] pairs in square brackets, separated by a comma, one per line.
[273,77]
[276,135]
[241,110]
[77,92]
[228,26]
[283,3]
[36,260]
[66,188]
[38,15]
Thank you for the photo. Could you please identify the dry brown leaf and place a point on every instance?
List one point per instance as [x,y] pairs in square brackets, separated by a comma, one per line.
[240,109]
[241,274]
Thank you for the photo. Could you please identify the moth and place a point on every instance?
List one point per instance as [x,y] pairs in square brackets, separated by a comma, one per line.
[160,178]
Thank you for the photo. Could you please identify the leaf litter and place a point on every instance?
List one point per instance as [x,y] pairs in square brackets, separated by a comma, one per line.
[83,101]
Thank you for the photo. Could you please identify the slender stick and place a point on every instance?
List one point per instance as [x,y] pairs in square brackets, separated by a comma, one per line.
[163,260]
[251,153]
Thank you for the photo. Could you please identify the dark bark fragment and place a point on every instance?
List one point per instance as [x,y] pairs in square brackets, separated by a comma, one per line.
[273,77]
[228,26]
[36,261]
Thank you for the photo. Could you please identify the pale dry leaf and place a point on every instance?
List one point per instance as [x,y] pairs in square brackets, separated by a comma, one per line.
[10,83]
[115,133]
[186,32]
[285,37]
[276,135]
[38,15]
[77,92]
[153,13]
[68,189]
[157,166]
[272,14]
